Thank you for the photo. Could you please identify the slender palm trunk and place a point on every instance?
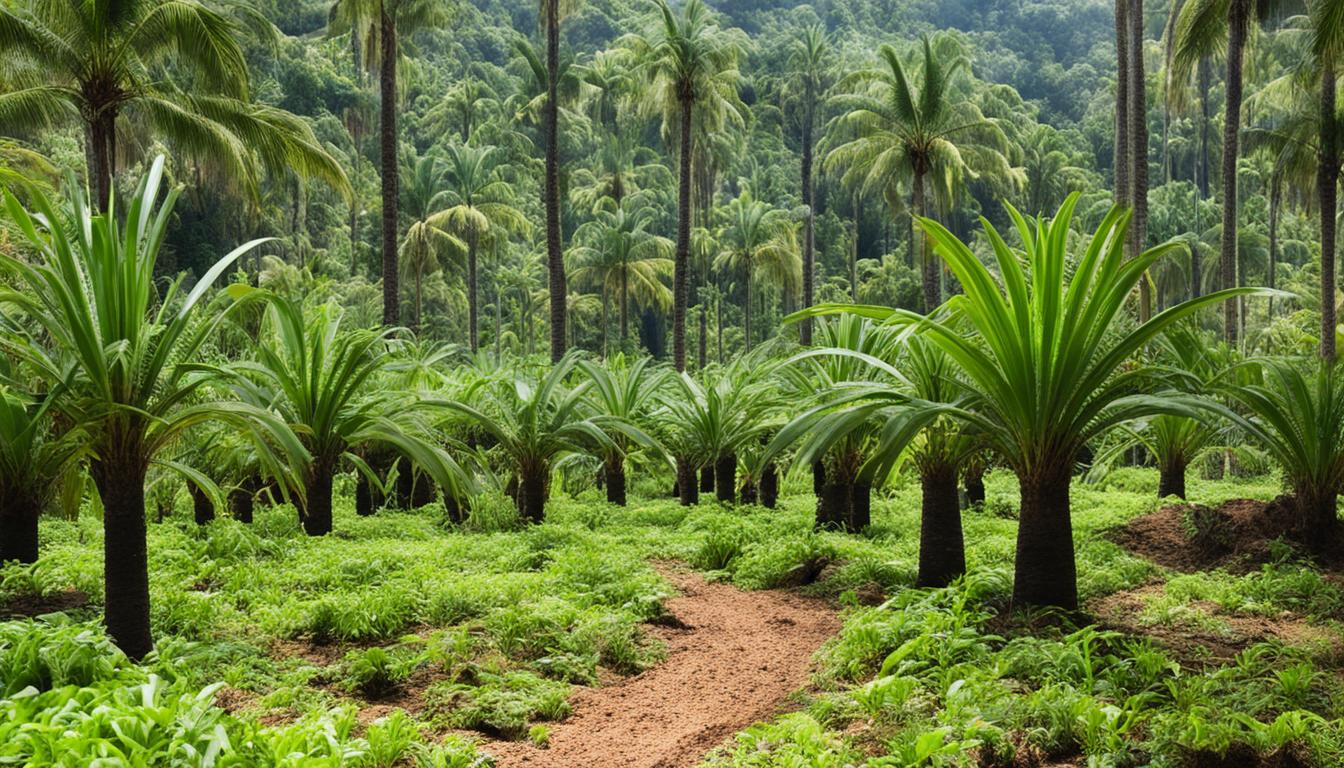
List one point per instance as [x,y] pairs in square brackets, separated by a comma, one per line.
[942,548]
[1045,573]
[687,488]
[387,83]
[317,502]
[725,478]
[1171,478]
[19,513]
[1236,43]
[555,251]
[1122,83]
[1275,200]
[1328,181]
[101,138]
[364,506]
[746,309]
[975,487]
[120,479]
[472,309]
[614,476]
[809,257]
[854,252]
[683,255]
[625,307]
[932,289]
[1138,152]
[1202,174]
[419,301]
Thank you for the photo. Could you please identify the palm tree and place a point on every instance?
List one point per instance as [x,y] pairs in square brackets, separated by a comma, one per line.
[810,63]
[122,348]
[762,242]
[322,381]
[479,207]
[551,11]
[691,66]
[83,61]
[1327,20]
[1045,374]
[379,24]
[38,456]
[535,421]
[915,134]
[1204,28]
[425,245]
[620,256]
[623,393]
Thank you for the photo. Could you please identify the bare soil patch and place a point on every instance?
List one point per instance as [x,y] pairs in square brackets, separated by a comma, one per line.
[1235,535]
[734,658]
[27,606]
[1195,644]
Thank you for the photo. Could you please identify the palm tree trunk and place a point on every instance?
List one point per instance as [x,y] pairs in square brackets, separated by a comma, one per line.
[555,252]
[932,294]
[1328,177]
[1318,518]
[100,137]
[387,83]
[242,502]
[746,309]
[364,506]
[683,255]
[1275,199]
[718,327]
[1138,152]
[769,486]
[201,506]
[1044,573]
[687,488]
[1236,43]
[19,513]
[419,301]
[854,252]
[860,507]
[1122,84]
[809,257]
[120,479]
[942,548]
[317,501]
[1171,478]
[707,478]
[472,309]
[725,478]
[975,486]
[614,475]
[532,494]
[625,307]
[1202,172]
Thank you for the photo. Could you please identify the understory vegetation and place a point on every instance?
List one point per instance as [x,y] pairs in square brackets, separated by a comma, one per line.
[389,640]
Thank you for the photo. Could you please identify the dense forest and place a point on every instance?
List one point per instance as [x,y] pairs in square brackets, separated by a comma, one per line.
[662,382]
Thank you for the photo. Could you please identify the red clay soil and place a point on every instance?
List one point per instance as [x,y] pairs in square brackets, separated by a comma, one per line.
[1235,535]
[733,661]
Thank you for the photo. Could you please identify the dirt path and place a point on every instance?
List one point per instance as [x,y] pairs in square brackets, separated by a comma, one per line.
[736,661]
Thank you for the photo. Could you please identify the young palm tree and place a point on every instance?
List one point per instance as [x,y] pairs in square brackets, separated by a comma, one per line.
[1045,371]
[810,64]
[36,458]
[379,25]
[322,381]
[479,206]
[691,66]
[86,62]
[916,134]
[1296,413]
[425,245]
[121,348]
[535,421]
[620,256]
[623,393]
[762,242]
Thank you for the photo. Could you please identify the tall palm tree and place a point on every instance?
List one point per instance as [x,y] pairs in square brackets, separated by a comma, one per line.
[425,245]
[1327,21]
[1204,28]
[691,66]
[98,322]
[916,134]
[810,63]
[1136,154]
[478,206]
[379,25]
[95,64]
[762,242]
[617,254]
[551,12]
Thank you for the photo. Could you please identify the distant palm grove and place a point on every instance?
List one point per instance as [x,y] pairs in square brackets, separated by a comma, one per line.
[563,292]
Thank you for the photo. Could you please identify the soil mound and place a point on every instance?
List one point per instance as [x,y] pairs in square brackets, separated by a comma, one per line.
[1236,535]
